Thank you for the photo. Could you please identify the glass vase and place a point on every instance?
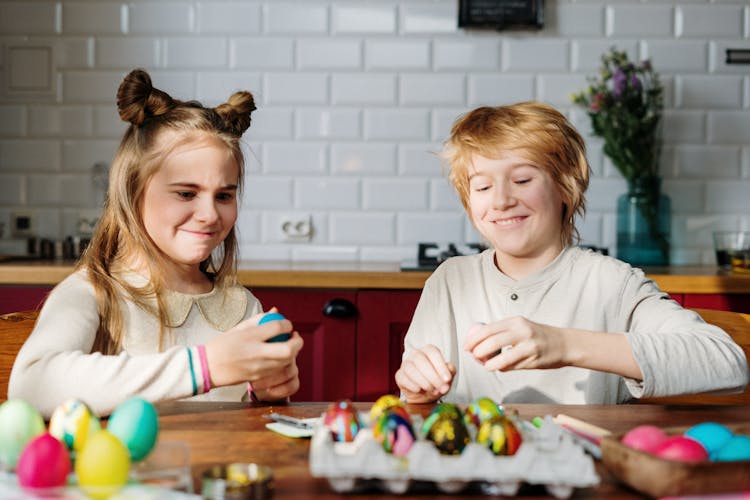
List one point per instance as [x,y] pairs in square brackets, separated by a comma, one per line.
[644,223]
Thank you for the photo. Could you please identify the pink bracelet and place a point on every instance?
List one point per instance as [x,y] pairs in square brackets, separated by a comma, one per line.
[204,368]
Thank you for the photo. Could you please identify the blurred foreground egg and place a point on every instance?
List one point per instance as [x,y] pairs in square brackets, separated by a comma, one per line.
[681,449]
[382,404]
[44,463]
[102,465]
[711,435]
[500,435]
[645,438]
[449,410]
[445,427]
[19,423]
[136,423]
[394,432]
[480,410]
[342,420]
[736,448]
[72,423]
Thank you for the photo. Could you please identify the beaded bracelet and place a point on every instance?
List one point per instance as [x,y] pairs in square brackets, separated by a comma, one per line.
[192,371]
[204,368]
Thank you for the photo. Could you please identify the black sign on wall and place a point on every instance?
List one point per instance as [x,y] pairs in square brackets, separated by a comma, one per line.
[501,14]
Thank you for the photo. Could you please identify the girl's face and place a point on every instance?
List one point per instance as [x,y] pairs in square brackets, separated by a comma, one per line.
[517,208]
[190,203]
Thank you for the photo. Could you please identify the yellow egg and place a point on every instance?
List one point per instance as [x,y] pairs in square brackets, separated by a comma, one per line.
[102,465]
[383,403]
[72,423]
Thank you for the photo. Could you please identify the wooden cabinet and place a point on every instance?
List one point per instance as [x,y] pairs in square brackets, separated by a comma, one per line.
[22,298]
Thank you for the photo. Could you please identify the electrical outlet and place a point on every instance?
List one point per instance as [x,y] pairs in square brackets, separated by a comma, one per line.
[296,228]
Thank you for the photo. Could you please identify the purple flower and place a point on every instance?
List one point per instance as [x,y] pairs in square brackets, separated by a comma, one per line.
[635,82]
[619,80]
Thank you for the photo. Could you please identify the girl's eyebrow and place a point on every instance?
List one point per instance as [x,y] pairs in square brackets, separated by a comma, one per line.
[228,187]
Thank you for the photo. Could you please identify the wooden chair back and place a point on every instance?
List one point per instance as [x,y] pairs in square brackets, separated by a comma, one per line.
[737,325]
[15,328]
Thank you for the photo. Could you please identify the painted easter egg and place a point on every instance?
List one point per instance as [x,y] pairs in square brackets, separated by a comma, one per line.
[19,423]
[711,435]
[72,423]
[135,423]
[382,404]
[736,448]
[342,420]
[103,464]
[274,316]
[442,410]
[645,438]
[481,409]
[500,435]
[394,432]
[681,449]
[448,432]
[44,463]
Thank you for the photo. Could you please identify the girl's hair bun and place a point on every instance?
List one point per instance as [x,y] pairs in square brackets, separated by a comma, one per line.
[138,100]
[236,112]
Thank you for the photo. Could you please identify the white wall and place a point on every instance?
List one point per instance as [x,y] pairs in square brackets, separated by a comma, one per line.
[353,96]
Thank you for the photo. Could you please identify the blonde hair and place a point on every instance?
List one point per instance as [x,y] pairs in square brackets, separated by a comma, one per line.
[121,233]
[540,134]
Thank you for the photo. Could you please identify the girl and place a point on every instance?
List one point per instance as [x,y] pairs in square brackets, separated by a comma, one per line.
[534,319]
[154,308]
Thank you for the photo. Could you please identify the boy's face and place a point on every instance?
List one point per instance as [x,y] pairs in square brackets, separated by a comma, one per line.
[190,203]
[517,208]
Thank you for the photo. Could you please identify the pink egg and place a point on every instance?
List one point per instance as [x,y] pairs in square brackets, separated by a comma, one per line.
[682,449]
[44,463]
[644,437]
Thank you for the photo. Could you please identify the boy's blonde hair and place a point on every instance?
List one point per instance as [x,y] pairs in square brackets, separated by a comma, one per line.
[158,125]
[535,131]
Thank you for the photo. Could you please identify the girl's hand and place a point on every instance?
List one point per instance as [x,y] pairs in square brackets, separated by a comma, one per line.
[517,343]
[425,376]
[243,355]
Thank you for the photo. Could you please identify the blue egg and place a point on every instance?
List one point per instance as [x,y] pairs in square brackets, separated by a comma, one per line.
[737,448]
[136,424]
[273,316]
[710,435]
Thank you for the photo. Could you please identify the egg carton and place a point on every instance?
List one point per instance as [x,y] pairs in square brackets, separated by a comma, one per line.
[548,456]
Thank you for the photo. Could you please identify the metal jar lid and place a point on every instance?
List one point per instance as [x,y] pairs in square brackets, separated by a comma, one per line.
[237,481]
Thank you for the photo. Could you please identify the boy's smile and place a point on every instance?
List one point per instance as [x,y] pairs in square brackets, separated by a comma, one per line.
[517,208]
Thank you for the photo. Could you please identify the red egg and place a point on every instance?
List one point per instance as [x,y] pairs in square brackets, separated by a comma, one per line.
[644,437]
[44,463]
[681,449]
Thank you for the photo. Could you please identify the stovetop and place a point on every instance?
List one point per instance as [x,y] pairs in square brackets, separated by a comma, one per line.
[431,255]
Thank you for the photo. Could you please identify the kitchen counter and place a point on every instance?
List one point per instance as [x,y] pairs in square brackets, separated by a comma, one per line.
[387,275]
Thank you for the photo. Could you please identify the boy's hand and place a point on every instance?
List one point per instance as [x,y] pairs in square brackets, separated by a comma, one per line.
[515,344]
[425,376]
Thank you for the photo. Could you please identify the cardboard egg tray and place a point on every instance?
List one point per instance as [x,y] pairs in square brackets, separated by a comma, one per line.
[548,456]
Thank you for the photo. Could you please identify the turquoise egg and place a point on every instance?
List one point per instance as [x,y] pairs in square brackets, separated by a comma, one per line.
[274,316]
[711,435]
[135,423]
[737,448]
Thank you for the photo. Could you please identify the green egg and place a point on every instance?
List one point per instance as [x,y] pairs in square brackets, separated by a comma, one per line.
[135,423]
[19,423]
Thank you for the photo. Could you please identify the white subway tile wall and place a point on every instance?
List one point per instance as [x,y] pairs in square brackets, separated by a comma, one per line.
[354,99]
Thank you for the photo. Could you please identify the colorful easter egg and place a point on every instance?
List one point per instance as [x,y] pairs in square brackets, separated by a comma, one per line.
[711,435]
[19,423]
[644,438]
[384,403]
[481,409]
[500,435]
[442,410]
[681,449]
[44,463]
[447,431]
[103,464]
[394,432]
[342,420]
[274,316]
[72,423]
[736,448]
[135,423]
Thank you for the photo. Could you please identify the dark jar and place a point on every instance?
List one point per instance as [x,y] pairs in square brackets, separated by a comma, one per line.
[644,221]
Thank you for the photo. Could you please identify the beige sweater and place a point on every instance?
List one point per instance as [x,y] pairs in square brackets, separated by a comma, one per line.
[675,349]
[56,362]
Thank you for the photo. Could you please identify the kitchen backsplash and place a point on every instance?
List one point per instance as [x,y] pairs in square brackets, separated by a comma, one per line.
[354,100]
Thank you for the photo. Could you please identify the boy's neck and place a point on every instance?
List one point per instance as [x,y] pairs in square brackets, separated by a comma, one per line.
[518,268]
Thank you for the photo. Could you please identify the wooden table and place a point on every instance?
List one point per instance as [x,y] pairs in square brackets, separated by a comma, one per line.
[235,432]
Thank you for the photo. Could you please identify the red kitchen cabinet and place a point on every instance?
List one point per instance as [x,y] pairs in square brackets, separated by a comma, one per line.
[327,361]
[738,302]
[16,298]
